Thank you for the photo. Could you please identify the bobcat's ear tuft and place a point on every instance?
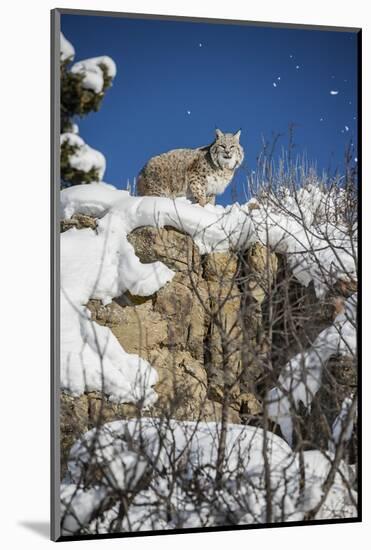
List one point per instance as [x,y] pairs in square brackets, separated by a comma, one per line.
[218,133]
[237,134]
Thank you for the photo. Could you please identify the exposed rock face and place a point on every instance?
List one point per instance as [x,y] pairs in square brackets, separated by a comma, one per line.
[79,221]
[181,330]
[259,267]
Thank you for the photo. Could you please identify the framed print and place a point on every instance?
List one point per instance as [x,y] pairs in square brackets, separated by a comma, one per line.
[205,204]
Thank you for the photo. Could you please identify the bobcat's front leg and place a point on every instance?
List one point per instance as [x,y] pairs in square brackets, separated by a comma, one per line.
[197,191]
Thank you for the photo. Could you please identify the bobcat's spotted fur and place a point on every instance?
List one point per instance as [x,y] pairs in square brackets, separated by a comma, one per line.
[198,174]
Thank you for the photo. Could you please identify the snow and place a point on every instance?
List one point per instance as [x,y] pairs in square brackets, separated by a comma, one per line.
[302,227]
[321,253]
[334,92]
[142,453]
[93,73]
[67,50]
[275,85]
[94,201]
[341,498]
[78,506]
[112,449]
[102,265]
[300,379]
[85,157]
[342,426]
[213,228]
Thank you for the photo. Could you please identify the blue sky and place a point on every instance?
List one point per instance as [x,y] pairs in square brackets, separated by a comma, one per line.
[178,81]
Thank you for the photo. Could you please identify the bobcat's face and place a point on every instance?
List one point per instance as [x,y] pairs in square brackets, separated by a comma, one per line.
[226,151]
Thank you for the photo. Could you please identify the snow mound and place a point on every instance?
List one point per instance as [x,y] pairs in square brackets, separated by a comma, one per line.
[171,465]
[129,452]
[85,158]
[97,199]
[93,72]
[67,50]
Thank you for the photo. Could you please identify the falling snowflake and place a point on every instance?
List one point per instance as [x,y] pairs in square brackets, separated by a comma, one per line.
[274,84]
[291,56]
[278,78]
[297,67]
[188,112]
[334,92]
[355,159]
[346,128]
[321,119]
[200,45]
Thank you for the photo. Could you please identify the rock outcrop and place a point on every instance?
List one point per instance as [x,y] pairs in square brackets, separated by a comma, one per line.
[206,333]
[191,331]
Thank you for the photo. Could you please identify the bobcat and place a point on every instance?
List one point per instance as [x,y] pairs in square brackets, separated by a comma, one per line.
[198,174]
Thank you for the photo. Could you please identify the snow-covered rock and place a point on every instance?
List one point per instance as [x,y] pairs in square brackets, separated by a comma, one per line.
[321,253]
[102,264]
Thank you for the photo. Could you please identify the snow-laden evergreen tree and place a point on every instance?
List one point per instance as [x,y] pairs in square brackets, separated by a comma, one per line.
[83,87]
